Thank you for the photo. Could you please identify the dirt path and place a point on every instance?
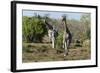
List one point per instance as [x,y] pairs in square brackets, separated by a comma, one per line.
[33,52]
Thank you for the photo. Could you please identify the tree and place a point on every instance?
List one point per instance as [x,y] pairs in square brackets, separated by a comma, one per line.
[33,29]
[85,20]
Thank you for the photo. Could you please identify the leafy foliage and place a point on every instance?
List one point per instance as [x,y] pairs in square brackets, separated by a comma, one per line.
[85,20]
[59,40]
[33,29]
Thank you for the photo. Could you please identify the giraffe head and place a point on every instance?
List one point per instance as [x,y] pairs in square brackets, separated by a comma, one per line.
[64,20]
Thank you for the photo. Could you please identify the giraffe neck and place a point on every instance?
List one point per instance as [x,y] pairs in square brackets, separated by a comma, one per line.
[66,28]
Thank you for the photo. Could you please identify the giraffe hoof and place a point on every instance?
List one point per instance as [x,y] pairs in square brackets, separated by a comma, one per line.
[64,55]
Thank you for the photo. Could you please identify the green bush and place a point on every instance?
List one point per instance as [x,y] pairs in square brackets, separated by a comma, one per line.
[59,40]
[33,29]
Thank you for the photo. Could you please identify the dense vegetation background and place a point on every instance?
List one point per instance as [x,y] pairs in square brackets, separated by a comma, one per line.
[34,28]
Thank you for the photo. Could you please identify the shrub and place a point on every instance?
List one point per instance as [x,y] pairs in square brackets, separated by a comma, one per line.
[59,40]
[33,29]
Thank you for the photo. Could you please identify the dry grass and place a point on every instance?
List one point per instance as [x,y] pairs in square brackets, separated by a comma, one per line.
[41,52]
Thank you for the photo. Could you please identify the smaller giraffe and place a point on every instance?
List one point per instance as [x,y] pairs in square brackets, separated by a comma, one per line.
[52,33]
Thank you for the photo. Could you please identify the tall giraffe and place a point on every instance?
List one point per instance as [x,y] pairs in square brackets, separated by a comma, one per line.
[67,37]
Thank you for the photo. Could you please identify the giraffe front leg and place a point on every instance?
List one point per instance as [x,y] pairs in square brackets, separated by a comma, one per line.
[66,49]
[63,46]
[53,42]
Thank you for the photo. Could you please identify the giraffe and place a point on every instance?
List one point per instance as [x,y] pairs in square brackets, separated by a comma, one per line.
[67,37]
[52,33]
